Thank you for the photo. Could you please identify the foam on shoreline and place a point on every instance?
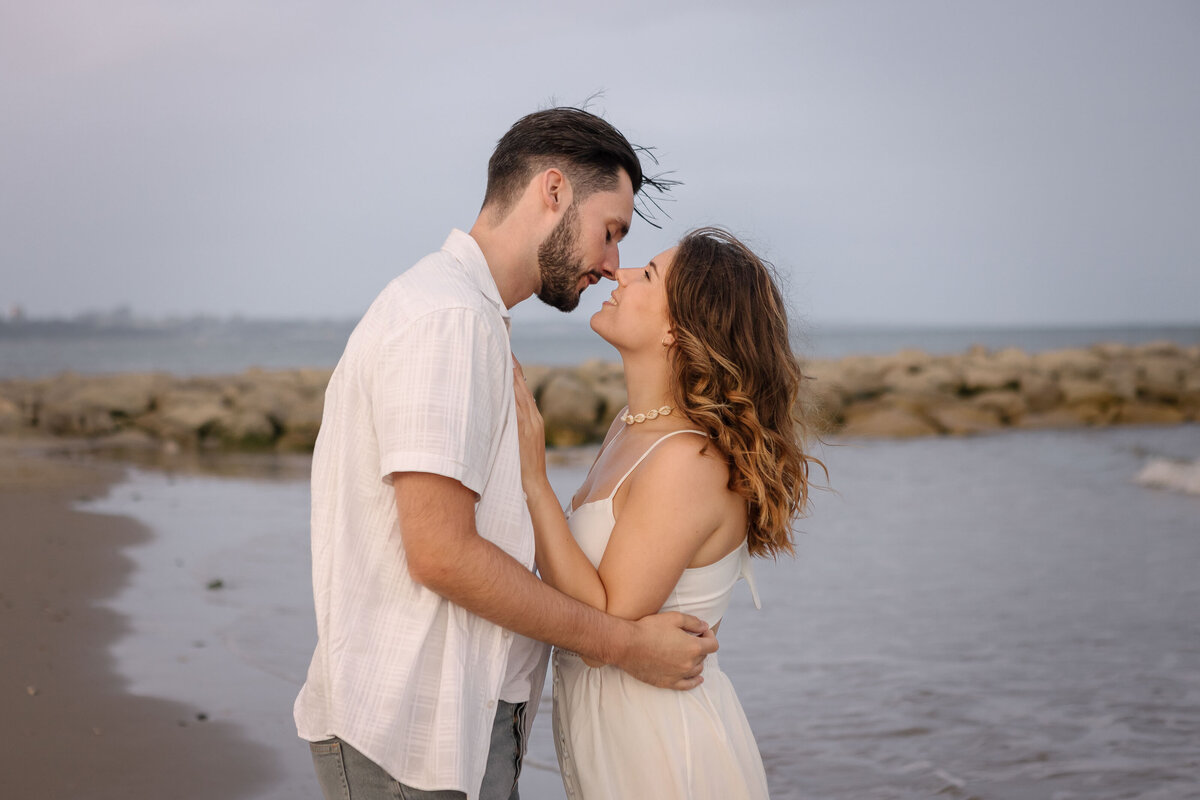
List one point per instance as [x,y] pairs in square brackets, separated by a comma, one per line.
[1175,476]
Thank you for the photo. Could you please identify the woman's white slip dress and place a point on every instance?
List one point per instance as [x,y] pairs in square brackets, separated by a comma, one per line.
[620,739]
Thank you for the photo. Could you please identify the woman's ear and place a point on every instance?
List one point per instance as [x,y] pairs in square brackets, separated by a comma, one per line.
[668,339]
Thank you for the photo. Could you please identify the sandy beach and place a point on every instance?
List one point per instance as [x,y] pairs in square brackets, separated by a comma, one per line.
[71,729]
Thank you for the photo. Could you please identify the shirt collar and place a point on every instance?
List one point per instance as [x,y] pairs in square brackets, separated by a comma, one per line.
[466,251]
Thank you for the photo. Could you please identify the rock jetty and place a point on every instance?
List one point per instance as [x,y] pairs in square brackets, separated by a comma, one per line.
[910,393]
[251,411]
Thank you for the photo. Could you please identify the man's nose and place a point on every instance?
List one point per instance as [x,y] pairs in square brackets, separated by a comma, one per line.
[612,262]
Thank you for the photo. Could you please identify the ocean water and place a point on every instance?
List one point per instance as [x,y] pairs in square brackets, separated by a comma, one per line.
[1007,617]
[222,347]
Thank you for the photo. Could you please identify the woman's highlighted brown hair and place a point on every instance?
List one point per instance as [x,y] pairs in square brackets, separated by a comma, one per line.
[735,377]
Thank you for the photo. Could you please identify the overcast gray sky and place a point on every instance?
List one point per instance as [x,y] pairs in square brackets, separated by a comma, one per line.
[901,162]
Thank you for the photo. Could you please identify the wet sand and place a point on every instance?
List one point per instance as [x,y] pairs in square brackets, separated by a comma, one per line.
[70,728]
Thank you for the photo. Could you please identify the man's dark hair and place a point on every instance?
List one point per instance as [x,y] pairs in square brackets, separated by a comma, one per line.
[588,150]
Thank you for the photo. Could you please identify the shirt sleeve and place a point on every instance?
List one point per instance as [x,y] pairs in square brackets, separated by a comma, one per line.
[437,395]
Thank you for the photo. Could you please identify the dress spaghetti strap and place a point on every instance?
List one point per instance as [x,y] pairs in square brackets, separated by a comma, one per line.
[642,457]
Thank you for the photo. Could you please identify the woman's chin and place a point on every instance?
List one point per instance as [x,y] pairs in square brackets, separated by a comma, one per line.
[599,329]
[603,329]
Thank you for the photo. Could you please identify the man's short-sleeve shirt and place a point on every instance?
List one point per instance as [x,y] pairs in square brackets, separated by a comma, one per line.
[425,385]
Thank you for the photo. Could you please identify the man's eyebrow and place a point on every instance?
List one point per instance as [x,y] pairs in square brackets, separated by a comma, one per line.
[622,229]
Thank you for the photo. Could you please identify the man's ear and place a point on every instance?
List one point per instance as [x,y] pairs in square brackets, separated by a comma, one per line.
[555,189]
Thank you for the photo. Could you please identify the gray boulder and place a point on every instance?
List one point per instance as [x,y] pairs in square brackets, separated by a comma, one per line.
[571,410]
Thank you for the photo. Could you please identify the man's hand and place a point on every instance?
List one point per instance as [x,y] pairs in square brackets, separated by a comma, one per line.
[668,650]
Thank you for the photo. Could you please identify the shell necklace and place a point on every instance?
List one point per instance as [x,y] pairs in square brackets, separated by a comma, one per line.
[654,413]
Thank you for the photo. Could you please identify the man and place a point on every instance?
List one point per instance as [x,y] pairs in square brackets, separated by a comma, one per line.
[429,617]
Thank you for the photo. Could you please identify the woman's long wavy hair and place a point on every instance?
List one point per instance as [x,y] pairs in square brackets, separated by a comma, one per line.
[735,376]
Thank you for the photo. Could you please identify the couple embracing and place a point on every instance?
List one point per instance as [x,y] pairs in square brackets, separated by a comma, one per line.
[431,509]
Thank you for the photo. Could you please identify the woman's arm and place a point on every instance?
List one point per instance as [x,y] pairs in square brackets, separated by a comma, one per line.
[560,562]
[674,502]
[672,505]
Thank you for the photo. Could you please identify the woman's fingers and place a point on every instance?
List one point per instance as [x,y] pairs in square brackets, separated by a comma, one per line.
[530,432]
[521,393]
[526,405]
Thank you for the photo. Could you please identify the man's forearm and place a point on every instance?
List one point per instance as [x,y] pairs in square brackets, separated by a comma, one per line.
[445,553]
[491,584]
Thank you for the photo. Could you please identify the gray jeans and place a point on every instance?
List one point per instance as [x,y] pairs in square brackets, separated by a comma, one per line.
[346,774]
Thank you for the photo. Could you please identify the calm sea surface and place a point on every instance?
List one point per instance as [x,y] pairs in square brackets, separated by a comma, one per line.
[1004,618]
[231,347]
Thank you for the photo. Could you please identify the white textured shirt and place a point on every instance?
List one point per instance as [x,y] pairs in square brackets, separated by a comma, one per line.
[406,677]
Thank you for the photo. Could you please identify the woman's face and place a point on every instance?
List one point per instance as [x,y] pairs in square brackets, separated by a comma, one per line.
[635,315]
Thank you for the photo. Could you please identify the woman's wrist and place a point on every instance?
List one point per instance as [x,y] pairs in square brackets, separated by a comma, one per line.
[537,489]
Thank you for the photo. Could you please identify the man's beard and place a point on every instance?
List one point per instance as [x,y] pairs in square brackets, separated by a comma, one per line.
[559,265]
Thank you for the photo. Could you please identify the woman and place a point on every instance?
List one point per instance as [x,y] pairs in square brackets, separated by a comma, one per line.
[702,470]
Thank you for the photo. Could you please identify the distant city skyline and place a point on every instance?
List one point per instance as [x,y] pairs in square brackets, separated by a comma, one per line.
[925,163]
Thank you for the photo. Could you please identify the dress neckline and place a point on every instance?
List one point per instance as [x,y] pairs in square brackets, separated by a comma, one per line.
[571,511]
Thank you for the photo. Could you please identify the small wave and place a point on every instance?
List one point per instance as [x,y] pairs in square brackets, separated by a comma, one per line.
[1177,476]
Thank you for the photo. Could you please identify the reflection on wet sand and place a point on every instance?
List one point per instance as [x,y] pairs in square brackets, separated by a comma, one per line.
[72,728]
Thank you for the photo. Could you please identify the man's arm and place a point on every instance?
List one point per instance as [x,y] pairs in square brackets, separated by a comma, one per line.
[447,555]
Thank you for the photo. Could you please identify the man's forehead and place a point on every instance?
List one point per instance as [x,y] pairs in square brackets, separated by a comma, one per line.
[614,205]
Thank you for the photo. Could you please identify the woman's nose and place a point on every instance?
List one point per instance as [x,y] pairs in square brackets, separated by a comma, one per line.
[623,276]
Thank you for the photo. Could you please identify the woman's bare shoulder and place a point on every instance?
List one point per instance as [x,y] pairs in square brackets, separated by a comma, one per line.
[687,462]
